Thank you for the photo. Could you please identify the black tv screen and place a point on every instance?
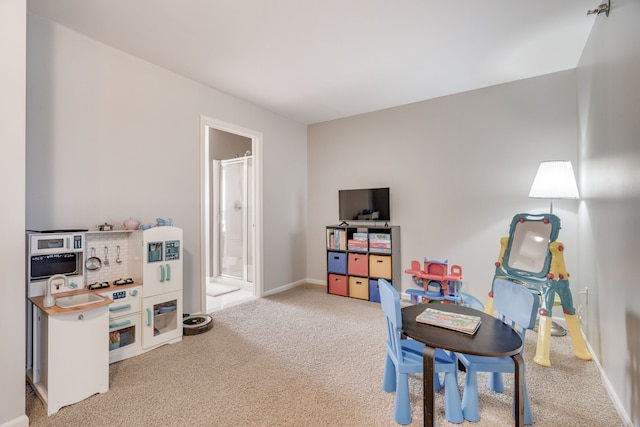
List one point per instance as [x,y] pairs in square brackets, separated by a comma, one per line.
[367,204]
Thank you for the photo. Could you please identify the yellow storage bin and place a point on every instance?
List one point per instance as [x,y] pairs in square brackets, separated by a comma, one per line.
[380,266]
[359,287]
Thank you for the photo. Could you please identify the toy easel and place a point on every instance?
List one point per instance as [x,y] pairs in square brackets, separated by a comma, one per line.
[532,256]
[437,283]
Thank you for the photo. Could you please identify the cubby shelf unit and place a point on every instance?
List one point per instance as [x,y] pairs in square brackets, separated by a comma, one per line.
[358,256]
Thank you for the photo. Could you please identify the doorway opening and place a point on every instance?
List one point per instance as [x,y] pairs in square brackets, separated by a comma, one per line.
[231,215]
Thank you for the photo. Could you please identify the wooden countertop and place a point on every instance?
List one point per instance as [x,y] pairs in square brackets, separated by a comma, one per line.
[55,310]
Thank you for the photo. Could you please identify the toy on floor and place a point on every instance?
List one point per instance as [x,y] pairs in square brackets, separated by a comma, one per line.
[532,256]
[435,281]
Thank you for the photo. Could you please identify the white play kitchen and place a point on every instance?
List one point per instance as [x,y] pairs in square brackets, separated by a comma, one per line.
[98,297]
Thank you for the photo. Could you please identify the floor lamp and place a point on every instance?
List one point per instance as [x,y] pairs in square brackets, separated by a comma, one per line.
[554,180]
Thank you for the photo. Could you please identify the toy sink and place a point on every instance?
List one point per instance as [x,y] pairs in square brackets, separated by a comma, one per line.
[78,300]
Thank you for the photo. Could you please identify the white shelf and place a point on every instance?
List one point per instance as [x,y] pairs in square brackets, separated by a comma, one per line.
[109,232]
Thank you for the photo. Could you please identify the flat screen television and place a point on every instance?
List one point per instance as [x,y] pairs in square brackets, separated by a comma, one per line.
[367,204]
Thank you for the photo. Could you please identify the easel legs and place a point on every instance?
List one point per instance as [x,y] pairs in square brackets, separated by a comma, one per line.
[579,346]
[544,341]
[544,336]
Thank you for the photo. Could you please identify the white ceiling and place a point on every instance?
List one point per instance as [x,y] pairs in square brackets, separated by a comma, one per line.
[319,60]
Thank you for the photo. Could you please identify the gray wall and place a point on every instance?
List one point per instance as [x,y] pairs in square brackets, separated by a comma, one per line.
[609,105]
[111,136]
[13,47]
[459,168]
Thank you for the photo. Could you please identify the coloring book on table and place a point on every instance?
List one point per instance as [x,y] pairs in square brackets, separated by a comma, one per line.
[444,319]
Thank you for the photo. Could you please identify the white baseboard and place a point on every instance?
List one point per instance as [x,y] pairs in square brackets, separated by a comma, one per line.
[286,287]
[607,385]
[21,421]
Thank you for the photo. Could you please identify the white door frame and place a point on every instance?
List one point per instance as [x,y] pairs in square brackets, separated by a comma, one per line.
[205,218]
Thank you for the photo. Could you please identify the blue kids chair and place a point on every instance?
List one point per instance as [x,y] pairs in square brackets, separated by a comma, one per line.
[517,306]
[405,357]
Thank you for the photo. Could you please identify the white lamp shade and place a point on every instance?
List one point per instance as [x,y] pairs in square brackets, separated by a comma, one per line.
[554,180]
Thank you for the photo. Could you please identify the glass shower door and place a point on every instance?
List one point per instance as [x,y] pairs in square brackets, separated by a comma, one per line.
[236,217]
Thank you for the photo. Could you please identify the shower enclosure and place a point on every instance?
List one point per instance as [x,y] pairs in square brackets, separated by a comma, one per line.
[233,230]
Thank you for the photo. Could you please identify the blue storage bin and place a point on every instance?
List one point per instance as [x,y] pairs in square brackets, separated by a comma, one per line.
[374,291]
[337,262]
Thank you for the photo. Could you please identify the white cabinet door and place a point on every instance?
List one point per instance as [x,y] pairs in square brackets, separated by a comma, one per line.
[161,319]
[162,260]
[75,357]
[162,277]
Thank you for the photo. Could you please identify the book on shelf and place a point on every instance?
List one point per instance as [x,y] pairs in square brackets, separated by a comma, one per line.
[455,321]
[337,239]
[357,245]
[380,250]
[380,245]
[379,236]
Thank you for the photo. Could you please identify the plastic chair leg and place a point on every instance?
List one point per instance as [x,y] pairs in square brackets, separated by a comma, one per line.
[402,413]
[470,409]
[389,376]
[528,417]
[494,382]
[452,404]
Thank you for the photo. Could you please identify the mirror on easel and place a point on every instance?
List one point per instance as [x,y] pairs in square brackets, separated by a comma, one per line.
[527,253]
